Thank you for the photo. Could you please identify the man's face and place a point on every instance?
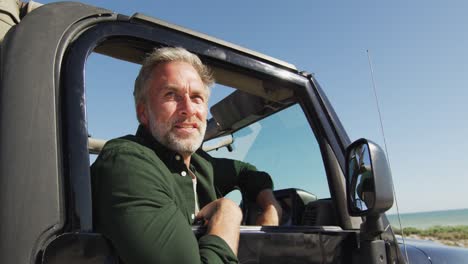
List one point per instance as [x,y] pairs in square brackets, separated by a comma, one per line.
[176,107]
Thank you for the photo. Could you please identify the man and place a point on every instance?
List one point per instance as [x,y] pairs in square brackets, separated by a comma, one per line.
[149,188]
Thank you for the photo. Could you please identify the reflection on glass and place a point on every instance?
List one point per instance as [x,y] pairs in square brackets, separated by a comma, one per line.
[360,177]
[283,145]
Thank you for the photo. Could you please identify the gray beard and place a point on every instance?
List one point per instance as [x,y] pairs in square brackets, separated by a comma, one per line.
[183,146]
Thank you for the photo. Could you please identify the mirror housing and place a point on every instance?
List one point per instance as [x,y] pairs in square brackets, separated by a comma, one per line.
[368,179]
[219,142]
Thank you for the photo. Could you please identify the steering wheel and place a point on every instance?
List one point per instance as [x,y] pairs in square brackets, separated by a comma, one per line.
[250,211]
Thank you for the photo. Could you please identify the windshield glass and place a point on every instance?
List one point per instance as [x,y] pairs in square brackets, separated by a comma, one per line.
[283,145]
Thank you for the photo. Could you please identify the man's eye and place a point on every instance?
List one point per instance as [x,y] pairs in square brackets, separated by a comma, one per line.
[169,94]
[198,99]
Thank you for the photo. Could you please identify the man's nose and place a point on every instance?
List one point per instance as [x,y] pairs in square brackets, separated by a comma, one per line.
[186,107]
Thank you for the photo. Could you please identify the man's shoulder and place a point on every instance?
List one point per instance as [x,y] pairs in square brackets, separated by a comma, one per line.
[121,142]
[223,163]
[127,146]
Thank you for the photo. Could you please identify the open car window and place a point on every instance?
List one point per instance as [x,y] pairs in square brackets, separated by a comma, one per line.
[268,130]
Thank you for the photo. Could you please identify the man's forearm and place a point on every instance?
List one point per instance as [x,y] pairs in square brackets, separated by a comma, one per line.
[224,217]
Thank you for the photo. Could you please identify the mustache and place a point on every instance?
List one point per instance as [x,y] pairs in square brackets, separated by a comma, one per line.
[197,122]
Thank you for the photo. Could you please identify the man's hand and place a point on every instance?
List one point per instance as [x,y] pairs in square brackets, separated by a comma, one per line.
[223,218]
[272,211]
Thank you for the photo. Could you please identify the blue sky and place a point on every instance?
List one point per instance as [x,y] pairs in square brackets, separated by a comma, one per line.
[419,56]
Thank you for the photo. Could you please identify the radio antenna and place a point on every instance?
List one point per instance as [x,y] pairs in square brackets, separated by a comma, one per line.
[386,150]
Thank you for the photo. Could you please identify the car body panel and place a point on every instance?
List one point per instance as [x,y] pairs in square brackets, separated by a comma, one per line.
[31,183]
[426,251]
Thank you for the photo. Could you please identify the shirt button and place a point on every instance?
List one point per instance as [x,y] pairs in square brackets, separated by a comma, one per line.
[177,157]
[193,216]
[183,173]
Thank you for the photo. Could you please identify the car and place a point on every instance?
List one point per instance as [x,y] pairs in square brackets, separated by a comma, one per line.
[334,192]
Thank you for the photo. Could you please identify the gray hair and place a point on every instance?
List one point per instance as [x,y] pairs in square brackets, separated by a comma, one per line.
[163,55]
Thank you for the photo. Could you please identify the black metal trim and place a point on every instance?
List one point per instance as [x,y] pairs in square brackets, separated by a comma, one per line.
[340,132]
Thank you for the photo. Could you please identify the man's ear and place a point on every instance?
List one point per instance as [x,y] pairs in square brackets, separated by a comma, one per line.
[142,114]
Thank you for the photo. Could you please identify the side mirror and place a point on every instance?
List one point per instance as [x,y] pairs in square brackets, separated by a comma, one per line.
[368,179]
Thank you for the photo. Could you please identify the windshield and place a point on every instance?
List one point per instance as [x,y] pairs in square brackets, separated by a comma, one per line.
[283,145]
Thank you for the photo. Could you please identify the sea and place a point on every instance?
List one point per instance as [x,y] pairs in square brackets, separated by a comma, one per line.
[423,220]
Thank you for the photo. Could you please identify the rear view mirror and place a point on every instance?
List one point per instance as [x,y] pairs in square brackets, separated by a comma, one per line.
[217,143]
[368,179]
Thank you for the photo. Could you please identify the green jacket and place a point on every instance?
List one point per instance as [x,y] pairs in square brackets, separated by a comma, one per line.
[144,201]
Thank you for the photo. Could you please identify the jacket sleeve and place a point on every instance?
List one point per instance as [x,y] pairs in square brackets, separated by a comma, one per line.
[134,209]
[234,174]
